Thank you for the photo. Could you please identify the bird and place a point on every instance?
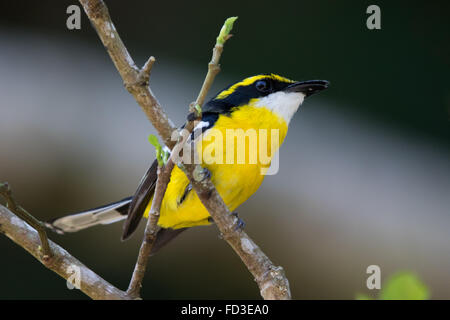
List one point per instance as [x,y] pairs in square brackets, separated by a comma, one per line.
[259,103]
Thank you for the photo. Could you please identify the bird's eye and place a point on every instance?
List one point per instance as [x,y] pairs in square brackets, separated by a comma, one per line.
[262,85]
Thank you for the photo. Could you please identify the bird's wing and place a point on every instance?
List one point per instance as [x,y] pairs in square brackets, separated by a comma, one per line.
[140,200]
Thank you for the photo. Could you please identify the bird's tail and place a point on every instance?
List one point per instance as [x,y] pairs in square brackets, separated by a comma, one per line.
[107,214]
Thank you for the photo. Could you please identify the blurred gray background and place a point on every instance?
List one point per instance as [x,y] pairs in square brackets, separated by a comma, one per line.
[364,172]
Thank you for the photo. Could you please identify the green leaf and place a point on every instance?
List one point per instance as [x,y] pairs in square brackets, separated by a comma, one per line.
[165,156]
[154,141]
[158,149]
[404,286]
[225,31]
[198,108]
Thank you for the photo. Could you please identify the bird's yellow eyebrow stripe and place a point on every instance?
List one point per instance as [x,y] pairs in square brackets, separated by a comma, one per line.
[249,81]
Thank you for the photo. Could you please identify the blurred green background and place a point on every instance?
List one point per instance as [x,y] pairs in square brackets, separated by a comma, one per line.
[364,172]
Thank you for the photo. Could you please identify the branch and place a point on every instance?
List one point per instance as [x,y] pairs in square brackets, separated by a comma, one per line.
[151,230]
[11,204]
[60,262]
[271,279]
[214,66]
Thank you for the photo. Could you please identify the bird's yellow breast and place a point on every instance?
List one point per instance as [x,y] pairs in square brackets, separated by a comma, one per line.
[263,132]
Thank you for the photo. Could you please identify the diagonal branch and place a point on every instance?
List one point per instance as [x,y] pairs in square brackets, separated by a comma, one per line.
[271,279]
[61,262]
[12,205]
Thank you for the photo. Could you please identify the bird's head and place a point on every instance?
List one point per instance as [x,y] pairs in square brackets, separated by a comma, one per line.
[278,94]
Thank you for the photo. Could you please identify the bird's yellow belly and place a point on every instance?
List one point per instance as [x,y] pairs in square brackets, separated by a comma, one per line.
[234,182]
[235,185]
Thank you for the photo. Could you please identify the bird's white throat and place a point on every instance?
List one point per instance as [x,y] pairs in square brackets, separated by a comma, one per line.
[284,104]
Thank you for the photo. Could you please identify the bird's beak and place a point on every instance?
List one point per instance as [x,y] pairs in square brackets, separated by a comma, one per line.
[308,87]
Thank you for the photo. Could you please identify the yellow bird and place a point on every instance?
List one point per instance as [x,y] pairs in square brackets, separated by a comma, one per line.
[241,129]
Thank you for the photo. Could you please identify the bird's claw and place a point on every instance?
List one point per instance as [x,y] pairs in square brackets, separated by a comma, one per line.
[201,174]
[240,224]
[206,174]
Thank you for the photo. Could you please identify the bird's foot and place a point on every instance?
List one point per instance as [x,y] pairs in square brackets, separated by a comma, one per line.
[240,224]
[201,174]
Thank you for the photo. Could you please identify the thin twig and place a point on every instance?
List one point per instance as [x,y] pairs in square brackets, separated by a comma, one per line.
[62,262]
[213,70]
[144,74]
[12,205]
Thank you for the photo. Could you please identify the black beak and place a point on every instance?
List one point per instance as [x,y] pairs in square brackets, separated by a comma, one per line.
[308,87]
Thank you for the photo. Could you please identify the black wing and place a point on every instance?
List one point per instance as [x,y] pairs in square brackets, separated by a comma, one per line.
[140,200]
[163,237]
